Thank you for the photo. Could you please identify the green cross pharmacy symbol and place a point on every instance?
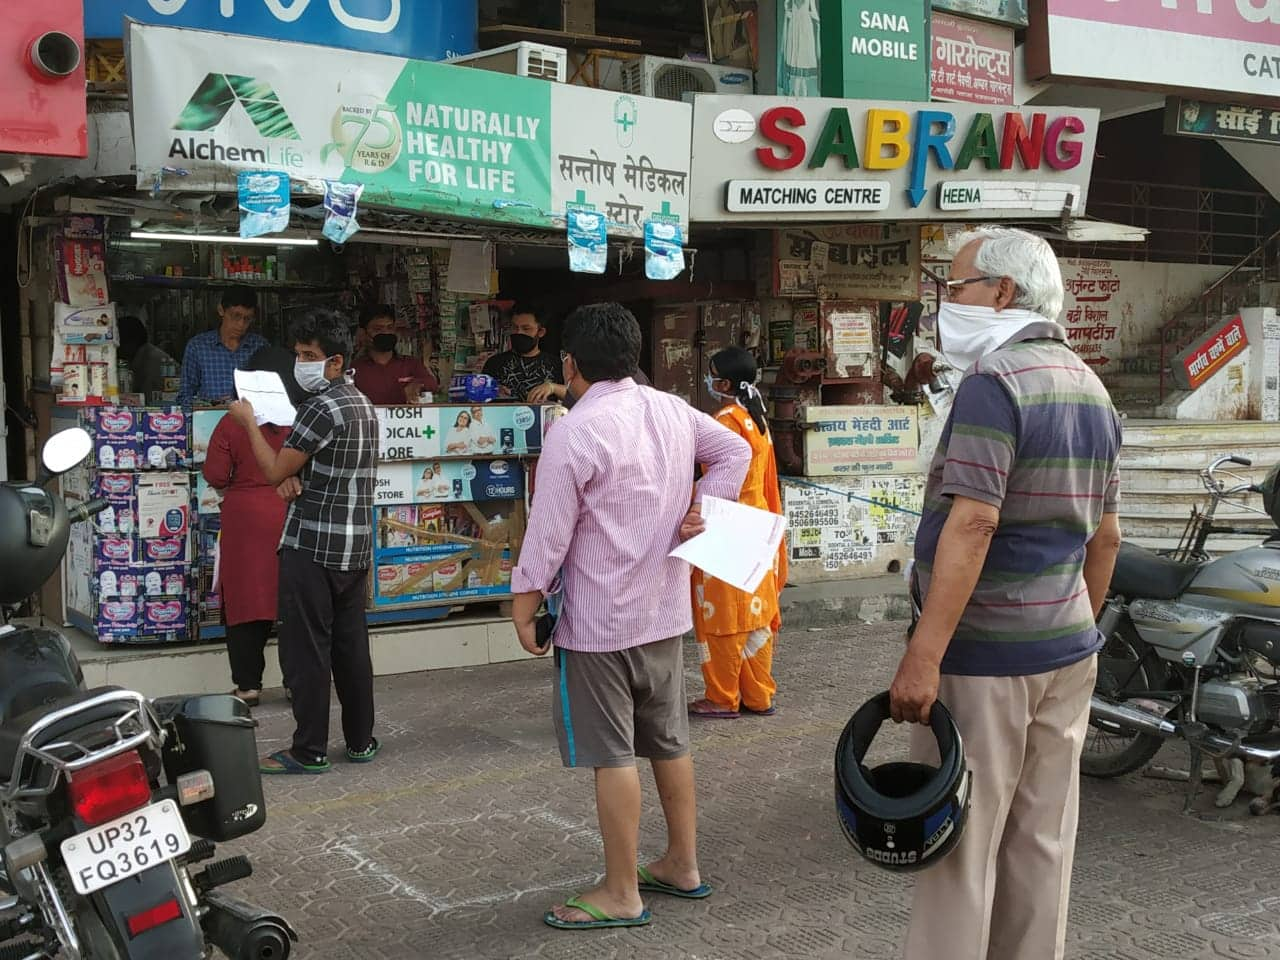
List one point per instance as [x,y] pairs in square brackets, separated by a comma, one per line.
[624,118]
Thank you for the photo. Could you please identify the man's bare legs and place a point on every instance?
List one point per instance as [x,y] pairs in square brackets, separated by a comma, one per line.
[679,865]
[618,807]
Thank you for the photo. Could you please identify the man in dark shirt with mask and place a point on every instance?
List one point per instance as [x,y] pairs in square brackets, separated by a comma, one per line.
[524,372]
[384,376]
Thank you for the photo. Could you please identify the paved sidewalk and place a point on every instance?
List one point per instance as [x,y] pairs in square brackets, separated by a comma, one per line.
[457,839]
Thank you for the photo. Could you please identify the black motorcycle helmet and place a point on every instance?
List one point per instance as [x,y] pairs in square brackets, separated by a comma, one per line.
[901,816]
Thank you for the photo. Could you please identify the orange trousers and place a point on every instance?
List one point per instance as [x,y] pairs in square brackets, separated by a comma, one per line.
[737,669]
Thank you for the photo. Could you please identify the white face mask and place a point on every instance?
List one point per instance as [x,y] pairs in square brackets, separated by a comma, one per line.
[968,333]
[310,375]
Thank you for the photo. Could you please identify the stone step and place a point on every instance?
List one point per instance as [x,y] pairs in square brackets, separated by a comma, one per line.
[1205,434]
[1181,481]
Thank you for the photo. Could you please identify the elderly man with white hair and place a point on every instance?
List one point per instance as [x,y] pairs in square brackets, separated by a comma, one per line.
[1012,561]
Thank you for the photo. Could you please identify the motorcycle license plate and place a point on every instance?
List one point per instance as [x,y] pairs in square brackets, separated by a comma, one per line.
[125,847]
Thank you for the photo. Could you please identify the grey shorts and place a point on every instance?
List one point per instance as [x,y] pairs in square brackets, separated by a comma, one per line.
[613,707]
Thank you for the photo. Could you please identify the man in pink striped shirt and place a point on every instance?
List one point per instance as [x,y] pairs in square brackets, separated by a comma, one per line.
[612,501]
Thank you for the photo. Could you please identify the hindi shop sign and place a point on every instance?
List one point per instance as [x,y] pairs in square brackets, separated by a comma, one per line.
[972,61]
[1195,365]
[857,441]
[875,48]
[769,159]
[1221,121]
[855,261]
[429,137]
[1218,46]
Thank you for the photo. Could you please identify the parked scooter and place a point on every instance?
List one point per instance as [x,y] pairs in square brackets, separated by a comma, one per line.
[108,801]
[1193,647]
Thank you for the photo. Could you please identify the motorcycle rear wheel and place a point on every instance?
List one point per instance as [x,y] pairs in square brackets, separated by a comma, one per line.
[1124,659]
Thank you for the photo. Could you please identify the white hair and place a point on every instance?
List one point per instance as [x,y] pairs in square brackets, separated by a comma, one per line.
[1025,259]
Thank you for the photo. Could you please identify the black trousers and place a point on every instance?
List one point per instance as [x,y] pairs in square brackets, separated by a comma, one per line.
[323,634]
[246,643]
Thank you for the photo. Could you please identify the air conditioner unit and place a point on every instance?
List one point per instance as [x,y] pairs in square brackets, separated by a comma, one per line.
[522,59]
[674,79]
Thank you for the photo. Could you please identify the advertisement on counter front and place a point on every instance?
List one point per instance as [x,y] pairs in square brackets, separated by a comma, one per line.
[1227,47]
[431,137]
[479,430]
[860,440]
[770,159]
[445,481]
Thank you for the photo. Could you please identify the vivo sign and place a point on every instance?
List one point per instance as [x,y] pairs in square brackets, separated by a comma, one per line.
[417,29]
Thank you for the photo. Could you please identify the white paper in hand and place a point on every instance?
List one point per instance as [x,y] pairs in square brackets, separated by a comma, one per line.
[739,544]
[265,390]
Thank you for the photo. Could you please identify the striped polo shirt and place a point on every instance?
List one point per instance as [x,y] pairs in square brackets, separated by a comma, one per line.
[1032,432]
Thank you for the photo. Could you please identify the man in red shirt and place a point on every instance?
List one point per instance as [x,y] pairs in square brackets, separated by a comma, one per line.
[383,376]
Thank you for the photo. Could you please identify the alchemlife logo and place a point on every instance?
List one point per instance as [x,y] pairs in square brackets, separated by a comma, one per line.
[217,94]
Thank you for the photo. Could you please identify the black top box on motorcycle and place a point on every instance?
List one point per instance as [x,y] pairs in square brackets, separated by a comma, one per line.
[215,732]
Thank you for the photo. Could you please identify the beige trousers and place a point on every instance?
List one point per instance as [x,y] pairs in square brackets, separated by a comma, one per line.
[1002,894]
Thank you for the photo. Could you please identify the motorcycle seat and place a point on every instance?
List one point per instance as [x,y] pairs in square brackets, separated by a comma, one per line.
[13,731]
[1143,574]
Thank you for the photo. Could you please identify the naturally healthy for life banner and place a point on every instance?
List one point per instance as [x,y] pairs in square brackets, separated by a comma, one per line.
[419,136]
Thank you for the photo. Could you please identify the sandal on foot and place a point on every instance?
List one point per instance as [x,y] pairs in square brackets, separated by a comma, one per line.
[651,884]
[250,698]
[599,919]
[284,762]
[768,711]
[365,755]
[709,711]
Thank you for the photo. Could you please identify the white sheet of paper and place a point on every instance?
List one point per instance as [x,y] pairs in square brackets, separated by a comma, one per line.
[739,544]
[265,390]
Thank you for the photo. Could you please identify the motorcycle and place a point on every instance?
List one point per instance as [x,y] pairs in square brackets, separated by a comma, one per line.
[1192,646]
[108,800]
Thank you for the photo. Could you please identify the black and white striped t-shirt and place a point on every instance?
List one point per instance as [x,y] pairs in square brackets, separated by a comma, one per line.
[333,519]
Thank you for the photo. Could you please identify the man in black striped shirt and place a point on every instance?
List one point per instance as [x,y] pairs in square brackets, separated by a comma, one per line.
[327,470]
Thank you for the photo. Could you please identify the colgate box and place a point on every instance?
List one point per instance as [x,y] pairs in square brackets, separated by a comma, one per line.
[164,438]
[118,620]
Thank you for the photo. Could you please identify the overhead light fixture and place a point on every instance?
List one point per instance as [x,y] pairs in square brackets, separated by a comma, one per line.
[228,239]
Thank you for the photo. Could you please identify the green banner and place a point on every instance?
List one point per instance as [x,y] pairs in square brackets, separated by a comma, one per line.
[875,49]
[480,151]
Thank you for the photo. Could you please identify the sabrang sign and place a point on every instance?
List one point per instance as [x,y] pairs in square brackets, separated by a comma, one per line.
[773,158]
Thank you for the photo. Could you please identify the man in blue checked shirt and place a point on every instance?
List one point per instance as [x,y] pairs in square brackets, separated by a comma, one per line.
[212,358]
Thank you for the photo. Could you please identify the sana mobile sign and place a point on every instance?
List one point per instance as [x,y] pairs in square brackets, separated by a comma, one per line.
[418,29]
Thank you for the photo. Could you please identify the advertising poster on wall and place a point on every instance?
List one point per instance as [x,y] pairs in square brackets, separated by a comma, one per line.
[854,441]
[843,523]
[868,261]
[733,32]
[972,61]
[799,48]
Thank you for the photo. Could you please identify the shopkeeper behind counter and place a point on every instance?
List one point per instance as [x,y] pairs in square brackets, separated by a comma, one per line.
[212,358]
[524,372]
[382,375]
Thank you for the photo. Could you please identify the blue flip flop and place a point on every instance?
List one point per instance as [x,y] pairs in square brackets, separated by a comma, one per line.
[651,884]
[599,919]
[284,762]
[768,711]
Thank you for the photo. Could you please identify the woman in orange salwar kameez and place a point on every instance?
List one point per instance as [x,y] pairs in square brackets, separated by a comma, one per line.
[736,630]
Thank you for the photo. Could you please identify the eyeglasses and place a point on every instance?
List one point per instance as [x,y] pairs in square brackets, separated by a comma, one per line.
[953,285]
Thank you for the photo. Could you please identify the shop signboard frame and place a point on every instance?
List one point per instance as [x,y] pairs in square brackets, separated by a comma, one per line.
[1228,48]
[495,148]
[855,441]
[770,159]
[1194,366]
[1221,121]
[972,61]
[870,51]
[424,31]
[857,261]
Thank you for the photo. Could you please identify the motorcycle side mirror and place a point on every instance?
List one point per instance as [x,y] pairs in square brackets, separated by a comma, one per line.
[65,450]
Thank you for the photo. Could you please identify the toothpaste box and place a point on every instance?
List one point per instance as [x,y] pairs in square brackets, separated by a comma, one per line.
[118,620]
[164,439]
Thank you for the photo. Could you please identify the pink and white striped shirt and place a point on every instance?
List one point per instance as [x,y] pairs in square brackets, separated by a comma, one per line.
[612,486]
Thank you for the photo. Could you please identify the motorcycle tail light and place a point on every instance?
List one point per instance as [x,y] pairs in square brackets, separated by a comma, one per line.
[109,789]
[157,916]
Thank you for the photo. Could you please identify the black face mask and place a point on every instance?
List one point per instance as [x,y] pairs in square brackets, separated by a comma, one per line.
[523,343]
[384,342]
